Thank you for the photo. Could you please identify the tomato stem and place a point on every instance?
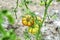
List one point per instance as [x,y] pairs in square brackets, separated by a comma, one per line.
[44,17]
[16,9]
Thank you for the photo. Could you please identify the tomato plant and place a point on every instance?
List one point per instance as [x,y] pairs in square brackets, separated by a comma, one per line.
[29,18]
[33,29]
[38,22]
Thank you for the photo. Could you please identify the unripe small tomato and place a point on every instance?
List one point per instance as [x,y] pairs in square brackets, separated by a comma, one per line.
[27,20]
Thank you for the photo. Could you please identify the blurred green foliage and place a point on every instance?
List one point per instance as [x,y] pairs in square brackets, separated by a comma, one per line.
[58,0]
[6,35]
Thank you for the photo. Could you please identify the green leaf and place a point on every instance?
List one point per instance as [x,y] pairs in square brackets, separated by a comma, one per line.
[54,17]
[2,30]
[12,34]
[1,19]
[13,37]
[4,11]
[5,38]
[0,38]
[10,19]
[7,34]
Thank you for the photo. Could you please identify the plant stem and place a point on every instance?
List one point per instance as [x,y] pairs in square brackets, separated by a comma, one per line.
[46,8]
[26,4]
[16,8]
[45,14]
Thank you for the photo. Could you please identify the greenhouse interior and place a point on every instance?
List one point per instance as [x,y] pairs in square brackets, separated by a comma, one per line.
[29,19]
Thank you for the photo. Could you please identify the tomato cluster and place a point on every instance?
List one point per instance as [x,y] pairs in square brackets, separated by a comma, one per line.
[29,21]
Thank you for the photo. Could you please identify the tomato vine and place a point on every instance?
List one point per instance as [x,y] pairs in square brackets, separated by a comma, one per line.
[38,34]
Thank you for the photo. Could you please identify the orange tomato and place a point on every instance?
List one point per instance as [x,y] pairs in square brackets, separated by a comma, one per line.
[27,20]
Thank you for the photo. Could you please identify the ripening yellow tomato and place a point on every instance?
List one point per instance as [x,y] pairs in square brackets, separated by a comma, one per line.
[33,30]
[27,20]
[39,18]
[24,23]
[30,30]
